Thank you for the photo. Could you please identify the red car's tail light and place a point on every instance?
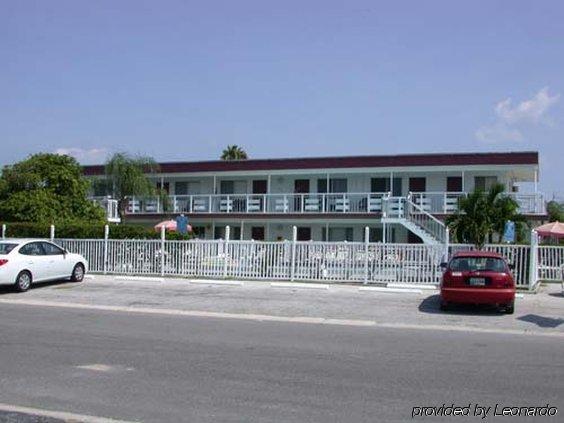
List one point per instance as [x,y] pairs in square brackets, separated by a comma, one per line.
[3,262]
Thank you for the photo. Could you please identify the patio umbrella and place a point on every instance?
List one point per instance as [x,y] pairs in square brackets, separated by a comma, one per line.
[552,229]
[170,225]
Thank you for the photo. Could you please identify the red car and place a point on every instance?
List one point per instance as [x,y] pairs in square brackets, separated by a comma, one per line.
[478,277]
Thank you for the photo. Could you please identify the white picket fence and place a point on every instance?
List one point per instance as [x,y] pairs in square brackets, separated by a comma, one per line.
[303,261]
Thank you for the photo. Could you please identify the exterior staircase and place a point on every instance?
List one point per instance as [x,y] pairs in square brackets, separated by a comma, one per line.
[403,211]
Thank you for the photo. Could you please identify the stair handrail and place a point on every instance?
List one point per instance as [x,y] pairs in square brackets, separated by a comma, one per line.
[425,220]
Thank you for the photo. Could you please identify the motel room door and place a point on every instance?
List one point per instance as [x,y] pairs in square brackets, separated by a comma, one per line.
[417,184]
[301,186]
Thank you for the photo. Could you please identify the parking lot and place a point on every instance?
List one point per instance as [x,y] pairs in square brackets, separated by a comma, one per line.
[540,313]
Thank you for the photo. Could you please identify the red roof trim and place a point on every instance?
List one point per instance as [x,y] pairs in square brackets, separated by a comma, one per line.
[455,159]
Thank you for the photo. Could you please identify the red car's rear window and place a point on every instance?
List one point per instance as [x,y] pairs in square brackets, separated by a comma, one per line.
[474,264]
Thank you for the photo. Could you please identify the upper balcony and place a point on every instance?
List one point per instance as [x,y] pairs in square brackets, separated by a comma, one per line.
[312,203]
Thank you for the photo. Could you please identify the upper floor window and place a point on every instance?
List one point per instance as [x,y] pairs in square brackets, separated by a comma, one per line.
[335,185]
[484,182]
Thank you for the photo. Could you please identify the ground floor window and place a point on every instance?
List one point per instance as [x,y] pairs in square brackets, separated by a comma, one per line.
[257,233]
[304,233]
[235,232]
[337,234]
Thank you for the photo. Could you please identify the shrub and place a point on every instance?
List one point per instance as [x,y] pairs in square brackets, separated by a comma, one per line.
[86,230]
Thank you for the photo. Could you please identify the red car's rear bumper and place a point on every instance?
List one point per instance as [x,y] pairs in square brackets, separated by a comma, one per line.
[477,295]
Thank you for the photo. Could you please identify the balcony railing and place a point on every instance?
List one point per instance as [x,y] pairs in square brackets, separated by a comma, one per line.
[430,202]
[447,202]
[259,203]
[110,206]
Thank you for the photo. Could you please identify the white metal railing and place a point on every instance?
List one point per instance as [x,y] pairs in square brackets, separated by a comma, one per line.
[259,203]
[423,219]
[295,260]
[110,206]
[550,262]
[447,202]
[430,202]
[518,255]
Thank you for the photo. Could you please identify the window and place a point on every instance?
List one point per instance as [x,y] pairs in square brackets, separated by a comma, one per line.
[336,185]
[52,249]
[199,231]
[454,183]
[181,188]
[338,234]
[473,264]
[484,183]
[227,187]
[32,249]
[6,248]
[383,185]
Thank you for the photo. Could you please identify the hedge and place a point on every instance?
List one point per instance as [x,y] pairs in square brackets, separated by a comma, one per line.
[86,231]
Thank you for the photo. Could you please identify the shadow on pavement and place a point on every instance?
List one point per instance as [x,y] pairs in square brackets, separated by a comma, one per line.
[9,289]
[543,322]
[431,305]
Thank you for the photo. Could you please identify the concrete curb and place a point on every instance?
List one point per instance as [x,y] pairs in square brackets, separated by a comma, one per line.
[413,286]
[390,290]
[139,278]
[214,282]
[299,285]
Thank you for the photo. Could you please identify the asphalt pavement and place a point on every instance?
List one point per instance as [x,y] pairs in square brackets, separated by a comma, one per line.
[167,368]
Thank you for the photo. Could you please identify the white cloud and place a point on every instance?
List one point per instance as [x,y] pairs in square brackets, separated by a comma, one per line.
[84,156]
[531,110]
[510,118]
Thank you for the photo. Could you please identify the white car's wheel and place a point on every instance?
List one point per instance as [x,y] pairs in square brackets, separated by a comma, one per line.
[23,281]
[78,273]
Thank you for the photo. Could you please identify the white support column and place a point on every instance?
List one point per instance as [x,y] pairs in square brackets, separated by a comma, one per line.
[536,179]
[392,184]
[214,185]
[384,232]
[293,263]
[3,231]
[242,230]
[533,260]
[268,182]
[106,236]
[366,245]
[163,237]
[52,233]
[226,250]
[463,186]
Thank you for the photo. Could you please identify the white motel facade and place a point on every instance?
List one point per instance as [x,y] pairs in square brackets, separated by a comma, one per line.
[400,198]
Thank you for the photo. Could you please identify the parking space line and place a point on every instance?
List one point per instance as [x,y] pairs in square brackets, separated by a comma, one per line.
[63,415]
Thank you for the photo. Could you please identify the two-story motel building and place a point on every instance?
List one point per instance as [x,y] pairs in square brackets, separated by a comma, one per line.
[331,198]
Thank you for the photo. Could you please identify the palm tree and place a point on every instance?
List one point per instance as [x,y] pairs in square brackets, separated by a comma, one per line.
[127,176]
[482,214]
[234,152]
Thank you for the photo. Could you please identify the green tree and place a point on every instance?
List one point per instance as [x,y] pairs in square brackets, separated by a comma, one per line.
[482,214]
[234,152]
[126,176]
[46,188]
[555,211]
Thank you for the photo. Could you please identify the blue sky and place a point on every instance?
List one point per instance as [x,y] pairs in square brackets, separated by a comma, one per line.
[179,80]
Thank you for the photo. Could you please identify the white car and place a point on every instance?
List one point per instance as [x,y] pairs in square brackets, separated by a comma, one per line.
[26,261]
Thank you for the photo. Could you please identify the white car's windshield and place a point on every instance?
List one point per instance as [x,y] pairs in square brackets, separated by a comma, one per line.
[5,247]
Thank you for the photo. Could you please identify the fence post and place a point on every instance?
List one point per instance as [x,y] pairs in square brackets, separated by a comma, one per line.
[533,260]
[225,248]
[366,241]
[293,263]
[163,237]
[3,231]
[52,233]
[106,236]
